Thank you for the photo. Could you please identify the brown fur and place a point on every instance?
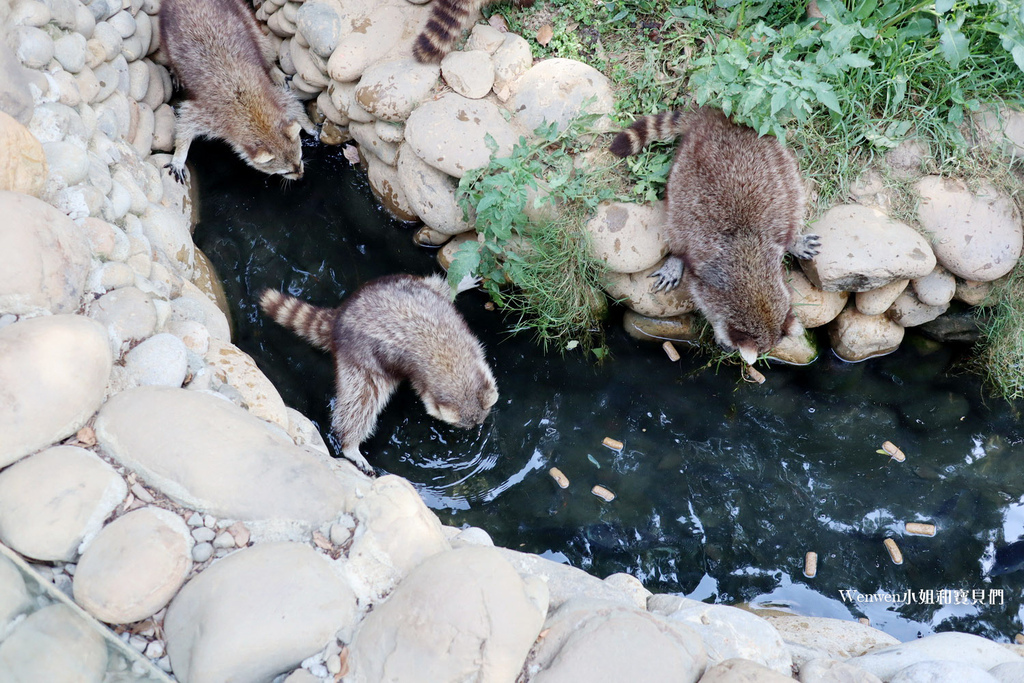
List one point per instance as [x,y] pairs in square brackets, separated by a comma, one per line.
[391,329]
[224,63]
[735,205]
[448,19]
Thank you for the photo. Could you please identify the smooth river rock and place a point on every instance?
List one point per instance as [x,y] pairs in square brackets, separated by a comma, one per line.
[832,638]
[430,193]
[976,236]
[255,614]
[53,374]
[862,248]
[627,237]
[962,648]
[391,90]
[22,160]
[563,581]
[812,306]
[46,257]
[208,454]
[737,670]
[607,642]
[877,301]
[461,615]
[469,73]
[241,372]
[636,292]
[449,133]
[396,532]
[52,500]
[14,597]
[727,632]
[855,336]
[555,91]
[943,672]
[134,566]
[53,644]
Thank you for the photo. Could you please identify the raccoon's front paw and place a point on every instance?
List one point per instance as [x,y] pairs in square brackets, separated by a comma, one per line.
[357,459]
[177,172]
[806,247]
[668,276]
[278,77]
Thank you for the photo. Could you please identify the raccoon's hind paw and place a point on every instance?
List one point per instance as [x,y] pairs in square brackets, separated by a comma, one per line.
[357,459]
[806,247]
[668,276]
[177,172]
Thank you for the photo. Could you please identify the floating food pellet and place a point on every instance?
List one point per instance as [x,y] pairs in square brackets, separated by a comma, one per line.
[894,551]
[890,449]
[612,443]
[810,564]
[1019,639]
[603,493]
[560,479]
[865,621]
[670,351]
[752,375]
[919,529]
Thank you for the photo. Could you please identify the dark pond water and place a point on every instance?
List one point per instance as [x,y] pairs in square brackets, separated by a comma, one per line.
[722,486]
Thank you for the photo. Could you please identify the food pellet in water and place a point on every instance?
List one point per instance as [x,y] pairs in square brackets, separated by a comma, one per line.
[919,529]
[560,479]
[603,493]
[670,351]
[894,551]
[893,452]
[612,443]
[810,564]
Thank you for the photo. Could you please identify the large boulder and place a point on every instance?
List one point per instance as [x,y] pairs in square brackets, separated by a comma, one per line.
[255,614]
[53,374]
[461,615]
[597,641]
[557,91]
[208,454]
[960,648]
[46,257]
[862,249]
[975,235]
[51,501]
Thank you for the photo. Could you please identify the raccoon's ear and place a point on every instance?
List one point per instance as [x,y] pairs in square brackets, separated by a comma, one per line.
[262,156]
[293,130]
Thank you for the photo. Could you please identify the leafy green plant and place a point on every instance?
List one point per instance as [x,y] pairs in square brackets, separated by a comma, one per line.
[534,258]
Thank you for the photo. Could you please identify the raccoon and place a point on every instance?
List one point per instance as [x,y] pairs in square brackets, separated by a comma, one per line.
[391,329]
[735,205]
[448,19]
[223,62]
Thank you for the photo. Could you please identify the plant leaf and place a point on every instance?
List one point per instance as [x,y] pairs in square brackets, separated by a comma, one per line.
[544,35]
[955,47]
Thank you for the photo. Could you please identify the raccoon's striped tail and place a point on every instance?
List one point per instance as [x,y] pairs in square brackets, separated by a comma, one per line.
[664,126]
[448,19]
[310,322]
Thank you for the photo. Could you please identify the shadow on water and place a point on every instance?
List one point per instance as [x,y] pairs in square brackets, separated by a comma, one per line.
[722,486]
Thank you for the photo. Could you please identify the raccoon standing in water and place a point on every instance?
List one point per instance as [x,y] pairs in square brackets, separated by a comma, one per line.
[735,205]
[223,62]
[393,328]
[448,19]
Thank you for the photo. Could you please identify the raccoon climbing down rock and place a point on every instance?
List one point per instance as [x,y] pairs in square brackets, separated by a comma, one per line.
[448,19]
[734,206]
[394,328]
[223,62]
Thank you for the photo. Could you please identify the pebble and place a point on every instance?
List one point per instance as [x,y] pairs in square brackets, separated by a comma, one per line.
[28,13]
[203,534]
[33,46]
[158,361]
[195,520]
[224,540]
[155,650]
[70,51]
[202,552]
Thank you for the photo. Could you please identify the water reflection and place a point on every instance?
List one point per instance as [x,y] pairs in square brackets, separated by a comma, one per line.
[722,486]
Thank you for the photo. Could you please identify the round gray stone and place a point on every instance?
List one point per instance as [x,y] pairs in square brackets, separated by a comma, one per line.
[471,73]
[257,613]
[555,91]
[52,500]
[69,50]
[449,133]
[390,90]
[210,455]
[46,257]
[161,360]
[134,566]
[68,163]
[53,644]
[320,25]
[127,313]
[54,372]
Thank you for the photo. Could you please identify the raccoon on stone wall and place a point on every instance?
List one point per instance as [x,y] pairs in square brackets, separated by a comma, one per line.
[448,19]
[734,206]
[222,60]
[394,328]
